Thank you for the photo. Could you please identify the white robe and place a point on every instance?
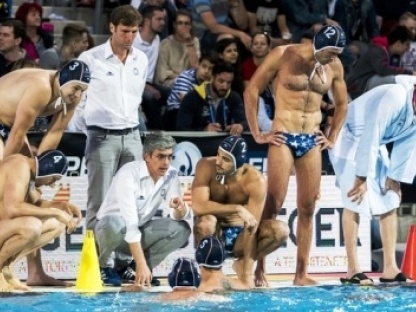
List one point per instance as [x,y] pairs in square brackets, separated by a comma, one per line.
[380,116]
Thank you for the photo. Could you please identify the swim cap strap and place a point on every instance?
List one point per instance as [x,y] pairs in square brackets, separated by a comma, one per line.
[314,71]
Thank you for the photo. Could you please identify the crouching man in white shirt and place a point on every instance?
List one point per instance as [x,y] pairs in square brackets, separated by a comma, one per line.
[125,218]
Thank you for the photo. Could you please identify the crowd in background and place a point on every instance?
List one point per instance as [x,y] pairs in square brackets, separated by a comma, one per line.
[192,44]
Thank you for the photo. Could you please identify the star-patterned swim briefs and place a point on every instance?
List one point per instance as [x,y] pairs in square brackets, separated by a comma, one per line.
[299,143]
[230,235]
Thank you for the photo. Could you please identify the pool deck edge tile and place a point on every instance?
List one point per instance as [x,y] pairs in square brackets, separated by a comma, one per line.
[275,281]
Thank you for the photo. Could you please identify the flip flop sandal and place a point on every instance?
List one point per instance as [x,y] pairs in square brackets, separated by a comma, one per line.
[399,278]
[355,279]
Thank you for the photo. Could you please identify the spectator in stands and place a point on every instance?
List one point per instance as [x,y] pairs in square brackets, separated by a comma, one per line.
[181,4]
[268,16]
[5,10]
[178,52]
[170,13]
[148,41]
[74,42]
[388,13]
[37,39]
[185,83]
[211,18]
[125,219]
[24,63]
[260,47]
[304,15]
[110,111]
[358,19]
[227,50]
[408,59]
[12,33]
[373,68]
[213,106]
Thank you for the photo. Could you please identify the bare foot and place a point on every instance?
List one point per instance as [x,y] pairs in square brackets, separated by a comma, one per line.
[4,286]
[304,281]
[12,280]
[46,280]
[260,279]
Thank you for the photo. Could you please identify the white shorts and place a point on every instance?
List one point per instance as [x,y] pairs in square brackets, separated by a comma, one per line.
[375,202]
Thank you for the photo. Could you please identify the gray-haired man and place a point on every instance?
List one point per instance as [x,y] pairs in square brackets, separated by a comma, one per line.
[125,218]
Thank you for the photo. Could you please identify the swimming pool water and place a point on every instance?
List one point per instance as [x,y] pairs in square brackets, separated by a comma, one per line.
[321,298]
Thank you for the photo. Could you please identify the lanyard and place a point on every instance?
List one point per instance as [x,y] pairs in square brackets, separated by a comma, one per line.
[212,110]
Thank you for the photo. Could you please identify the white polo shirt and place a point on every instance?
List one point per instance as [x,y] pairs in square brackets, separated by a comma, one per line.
[151,49]
[136,197]
[116,89]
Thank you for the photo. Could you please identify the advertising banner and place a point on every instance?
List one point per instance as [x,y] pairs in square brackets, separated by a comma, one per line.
[62,256]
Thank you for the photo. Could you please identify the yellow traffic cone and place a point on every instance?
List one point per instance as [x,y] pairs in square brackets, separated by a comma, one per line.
[89,276]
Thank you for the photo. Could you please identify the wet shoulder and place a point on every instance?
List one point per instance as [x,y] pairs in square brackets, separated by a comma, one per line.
[253,175]
[206,166]
[206,162]
[31,78]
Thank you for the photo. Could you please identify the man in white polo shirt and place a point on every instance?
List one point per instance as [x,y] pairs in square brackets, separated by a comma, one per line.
[126,222]
[110,113]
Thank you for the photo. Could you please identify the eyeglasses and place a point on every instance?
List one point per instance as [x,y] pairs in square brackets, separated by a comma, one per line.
[183,23]
[161,157]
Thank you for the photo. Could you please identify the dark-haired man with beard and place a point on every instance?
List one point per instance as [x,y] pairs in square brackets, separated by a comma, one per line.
[213,106]
[228,199]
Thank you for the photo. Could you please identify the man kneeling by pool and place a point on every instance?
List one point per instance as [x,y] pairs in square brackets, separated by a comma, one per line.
[27,221]
[228,199]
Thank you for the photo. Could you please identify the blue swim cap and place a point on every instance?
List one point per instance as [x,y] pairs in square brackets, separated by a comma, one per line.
[51,163]
[210,252]
[330,36]
[74,71]
[184,273]
[236,147]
